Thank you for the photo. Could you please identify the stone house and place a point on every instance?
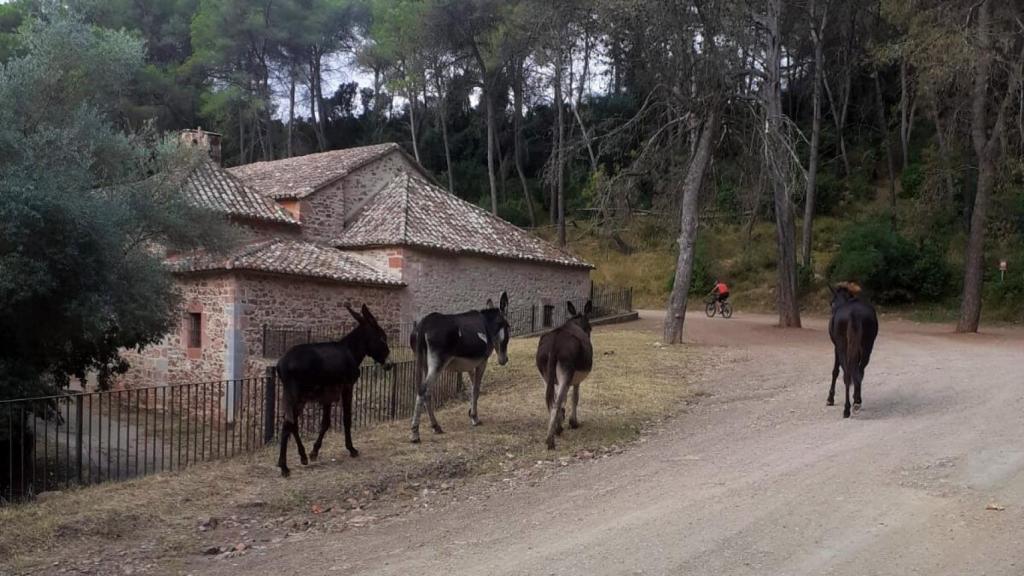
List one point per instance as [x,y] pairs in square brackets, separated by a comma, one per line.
[362,225]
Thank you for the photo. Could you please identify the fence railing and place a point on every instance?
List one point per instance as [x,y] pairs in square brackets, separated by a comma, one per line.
[54,442]
[607,302]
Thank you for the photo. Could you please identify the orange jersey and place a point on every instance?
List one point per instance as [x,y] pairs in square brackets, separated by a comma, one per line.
[721,288]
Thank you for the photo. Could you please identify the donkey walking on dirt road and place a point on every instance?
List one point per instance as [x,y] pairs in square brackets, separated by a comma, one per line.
[326,373]
[565,357]
[853,329]
[457,343]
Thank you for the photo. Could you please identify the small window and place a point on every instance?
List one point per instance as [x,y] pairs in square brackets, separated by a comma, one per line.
[195,330]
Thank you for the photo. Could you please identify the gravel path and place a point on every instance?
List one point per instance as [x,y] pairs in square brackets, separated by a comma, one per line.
[758,478]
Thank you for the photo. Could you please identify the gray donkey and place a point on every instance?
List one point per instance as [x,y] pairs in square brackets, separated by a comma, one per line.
[565,357]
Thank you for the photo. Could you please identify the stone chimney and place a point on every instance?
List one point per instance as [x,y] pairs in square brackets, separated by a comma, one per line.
[208,140]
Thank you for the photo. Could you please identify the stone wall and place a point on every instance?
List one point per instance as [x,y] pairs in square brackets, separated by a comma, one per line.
[282,302]
[234,307]
[323,212]
[172,361]
[362,183]
[444,282]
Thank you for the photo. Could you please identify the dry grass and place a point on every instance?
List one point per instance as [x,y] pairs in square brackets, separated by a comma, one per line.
[634,382]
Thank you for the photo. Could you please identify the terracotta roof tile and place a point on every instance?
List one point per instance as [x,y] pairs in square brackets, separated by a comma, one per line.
[412,212]
[300,176]
[292,257]
[210,186]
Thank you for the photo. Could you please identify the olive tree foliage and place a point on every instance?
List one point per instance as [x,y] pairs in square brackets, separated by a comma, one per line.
[86,210]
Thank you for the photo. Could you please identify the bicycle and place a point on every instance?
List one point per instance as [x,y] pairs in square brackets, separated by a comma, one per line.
[711,307]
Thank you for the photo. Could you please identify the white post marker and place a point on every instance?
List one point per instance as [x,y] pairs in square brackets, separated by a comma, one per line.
[1002,270]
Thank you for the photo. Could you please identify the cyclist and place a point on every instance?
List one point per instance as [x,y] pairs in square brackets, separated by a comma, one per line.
[720,293]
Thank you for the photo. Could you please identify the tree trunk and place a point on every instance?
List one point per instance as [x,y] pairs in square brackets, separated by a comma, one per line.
[970,304]
[517,95]
[442,118]
[812,169]
[321,138]
[789,309]
[579,102]
[412,126]
[908,105]
[839,117]
[883,126]
[321,112]
[291,114]
[944,158]
[241,136]
[692,186]
[489,110]
[988,152]
[560,147]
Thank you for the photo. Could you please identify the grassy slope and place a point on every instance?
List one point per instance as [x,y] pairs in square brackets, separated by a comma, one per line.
[748,266]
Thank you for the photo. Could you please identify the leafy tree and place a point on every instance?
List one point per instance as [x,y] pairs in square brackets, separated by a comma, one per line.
[84,210]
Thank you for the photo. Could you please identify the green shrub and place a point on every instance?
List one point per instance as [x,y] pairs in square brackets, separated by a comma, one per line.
[890,267]
[911,180]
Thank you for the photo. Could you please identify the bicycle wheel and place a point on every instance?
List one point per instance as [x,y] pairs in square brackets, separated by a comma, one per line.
[726,310]
[710,309]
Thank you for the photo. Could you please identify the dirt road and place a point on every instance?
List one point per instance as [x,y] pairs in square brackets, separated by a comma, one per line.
[758,478]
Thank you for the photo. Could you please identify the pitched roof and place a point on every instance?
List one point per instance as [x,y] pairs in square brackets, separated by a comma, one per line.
[409,211]
[210,186]
[300,176]
[292,257]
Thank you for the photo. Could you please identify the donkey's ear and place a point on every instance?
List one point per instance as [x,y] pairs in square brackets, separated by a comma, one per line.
[355,314]
[570,308]
[503,304]
[368,315]
[490,304]
[588,308]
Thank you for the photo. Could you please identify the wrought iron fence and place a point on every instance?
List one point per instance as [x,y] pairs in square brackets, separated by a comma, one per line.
[54,442]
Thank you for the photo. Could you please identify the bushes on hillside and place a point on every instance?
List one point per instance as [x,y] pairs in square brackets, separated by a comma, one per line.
[892,268]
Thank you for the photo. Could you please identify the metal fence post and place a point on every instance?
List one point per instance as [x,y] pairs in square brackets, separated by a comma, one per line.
[533,318]
[270,404]
[78,434]
[264,341]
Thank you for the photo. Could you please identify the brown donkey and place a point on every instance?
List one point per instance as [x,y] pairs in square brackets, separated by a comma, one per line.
[565,357]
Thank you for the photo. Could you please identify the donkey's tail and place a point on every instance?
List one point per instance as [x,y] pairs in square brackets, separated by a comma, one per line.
[551,375]
[854,345]
[418,343]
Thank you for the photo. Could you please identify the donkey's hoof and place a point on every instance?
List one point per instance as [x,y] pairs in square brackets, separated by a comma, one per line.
[551,443]
[414,438]
[475,421]
[574,424]
[438,430]
[830,402]
[353,452]
[846,413]
[314,457]
[285,472]
[304,461]
[856,407]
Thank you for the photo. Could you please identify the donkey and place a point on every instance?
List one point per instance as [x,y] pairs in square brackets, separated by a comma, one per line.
[324,373]
[565,358]
[457,343]
[853,328]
